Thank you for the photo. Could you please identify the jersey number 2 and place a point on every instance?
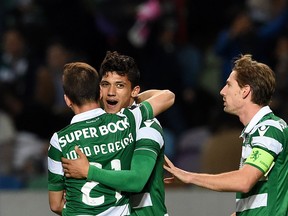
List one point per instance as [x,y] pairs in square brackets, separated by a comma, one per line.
[88,186]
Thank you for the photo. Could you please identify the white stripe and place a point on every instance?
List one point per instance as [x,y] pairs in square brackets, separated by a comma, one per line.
[116,211]
[54,142]
[268,142]
[55,167]
[112,211]
[146,149]
[252,202]
[272,123]
[152,134]
[137,115]
[246,151]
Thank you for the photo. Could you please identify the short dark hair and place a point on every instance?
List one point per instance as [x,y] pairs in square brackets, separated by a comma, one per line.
[123,65]
[81,83]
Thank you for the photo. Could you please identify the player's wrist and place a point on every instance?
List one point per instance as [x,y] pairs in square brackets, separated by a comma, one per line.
[86,171]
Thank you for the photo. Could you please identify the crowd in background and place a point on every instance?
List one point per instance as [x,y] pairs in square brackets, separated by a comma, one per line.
[185,46]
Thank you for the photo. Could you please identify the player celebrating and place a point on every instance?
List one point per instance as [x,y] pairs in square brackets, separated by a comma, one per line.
[261,182]
[101,137]
[120,86]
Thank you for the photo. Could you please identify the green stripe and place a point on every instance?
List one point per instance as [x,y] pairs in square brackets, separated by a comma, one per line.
[54,153]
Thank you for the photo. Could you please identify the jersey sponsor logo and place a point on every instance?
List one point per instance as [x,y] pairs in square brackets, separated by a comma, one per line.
[77,135]
[114,127]
[92,132]
[262,130]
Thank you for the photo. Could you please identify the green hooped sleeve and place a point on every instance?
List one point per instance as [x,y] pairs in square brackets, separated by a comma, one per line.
[149,109]
[132,180]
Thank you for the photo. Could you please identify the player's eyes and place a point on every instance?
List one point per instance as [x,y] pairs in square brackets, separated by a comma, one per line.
[120,85]
[104,85]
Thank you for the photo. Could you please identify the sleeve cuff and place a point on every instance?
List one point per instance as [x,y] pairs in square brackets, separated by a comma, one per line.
[92,173]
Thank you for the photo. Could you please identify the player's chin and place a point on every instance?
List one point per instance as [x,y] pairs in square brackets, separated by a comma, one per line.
[228,110]
[112,108]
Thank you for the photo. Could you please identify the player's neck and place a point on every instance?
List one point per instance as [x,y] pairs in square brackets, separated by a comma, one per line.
[248,113]
[86,107]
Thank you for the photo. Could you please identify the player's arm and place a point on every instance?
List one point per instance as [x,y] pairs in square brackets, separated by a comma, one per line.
[55,177]
[142,165]
[56,201]
[132,180]
[241,180]
[160,100]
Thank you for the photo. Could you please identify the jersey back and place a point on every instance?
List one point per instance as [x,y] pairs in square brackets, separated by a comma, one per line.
[108,141]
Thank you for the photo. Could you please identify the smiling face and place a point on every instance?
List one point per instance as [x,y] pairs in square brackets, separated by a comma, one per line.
[232,95]
[117,92]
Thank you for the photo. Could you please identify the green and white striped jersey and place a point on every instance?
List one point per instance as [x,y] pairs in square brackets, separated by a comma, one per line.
[151,200]
[265,141]
[108,141]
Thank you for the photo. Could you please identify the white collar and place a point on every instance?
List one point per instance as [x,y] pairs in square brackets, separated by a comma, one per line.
[87,115]
[256,118]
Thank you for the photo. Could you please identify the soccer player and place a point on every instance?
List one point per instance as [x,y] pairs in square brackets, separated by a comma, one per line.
[120,86]
[104,138]
[261,182]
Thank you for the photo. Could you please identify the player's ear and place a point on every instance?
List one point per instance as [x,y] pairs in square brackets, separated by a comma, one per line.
[67,101]
[246,91]
[101,95]
[135,91]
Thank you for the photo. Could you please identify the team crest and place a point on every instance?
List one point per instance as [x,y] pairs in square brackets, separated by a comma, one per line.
[255,155]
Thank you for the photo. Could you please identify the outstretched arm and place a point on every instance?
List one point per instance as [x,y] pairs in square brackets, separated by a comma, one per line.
[137,176]
[160,100]
[142,165]
[235,181]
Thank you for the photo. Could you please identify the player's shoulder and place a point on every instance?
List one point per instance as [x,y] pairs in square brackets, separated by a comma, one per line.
[274,123]
[152,123]
[129,109]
